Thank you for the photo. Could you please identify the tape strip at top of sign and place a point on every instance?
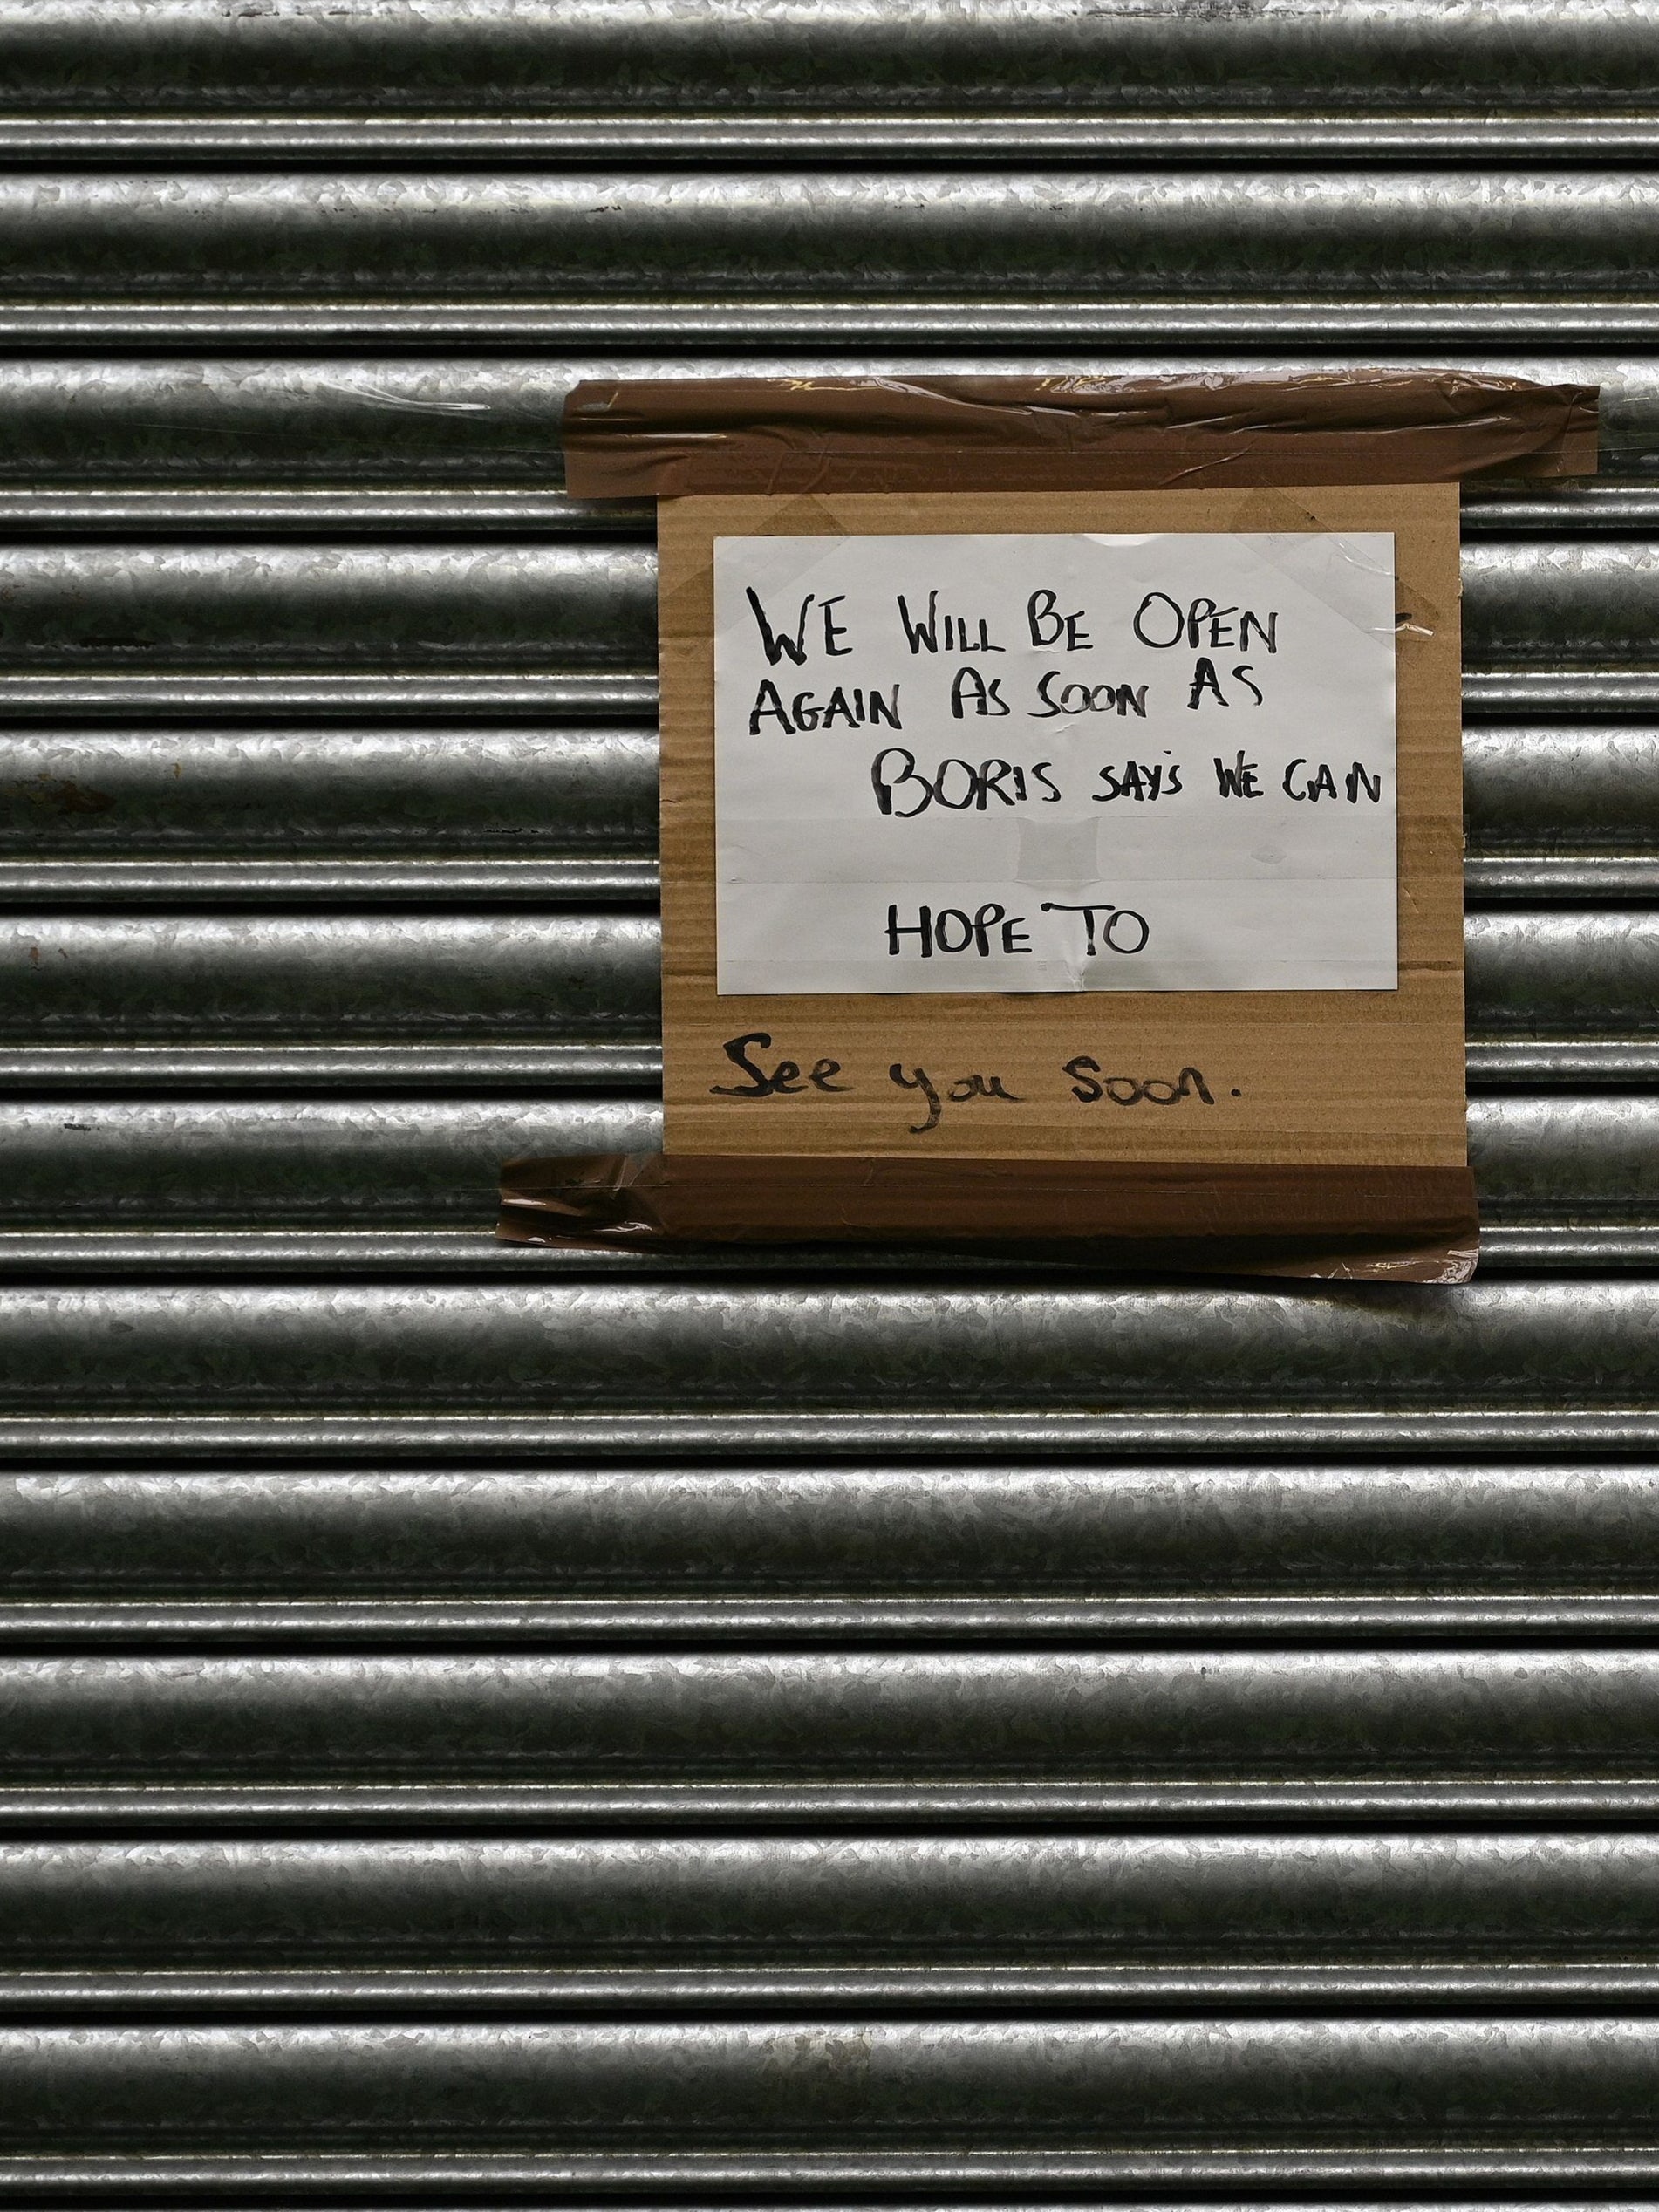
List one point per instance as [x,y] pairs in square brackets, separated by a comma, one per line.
[1061,812]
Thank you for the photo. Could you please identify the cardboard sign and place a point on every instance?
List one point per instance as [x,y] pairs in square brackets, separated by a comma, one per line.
[1115,826]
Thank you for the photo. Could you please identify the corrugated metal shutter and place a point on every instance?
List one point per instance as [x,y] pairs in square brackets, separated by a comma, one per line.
[474,1721]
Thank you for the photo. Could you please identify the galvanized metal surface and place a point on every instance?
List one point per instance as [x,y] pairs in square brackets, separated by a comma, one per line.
[1147,2100]
[816,1729]
[521,1557]
[845,80]
[720,1350]
[769,1923]
[748,257]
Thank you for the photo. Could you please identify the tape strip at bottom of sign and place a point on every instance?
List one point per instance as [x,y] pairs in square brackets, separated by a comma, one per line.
[1335,1224]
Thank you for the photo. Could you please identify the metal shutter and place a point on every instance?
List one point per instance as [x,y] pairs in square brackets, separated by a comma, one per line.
[476,1723]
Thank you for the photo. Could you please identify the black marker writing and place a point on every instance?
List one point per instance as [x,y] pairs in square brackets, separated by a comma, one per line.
[1238,781]
[844,709]
[982,693]
[784,1081]
[922,633]
[1086,698]
[1088,1085]
[918,1082]
[1205,683]
[1049,627]
[1124,917]
[954,930]
[1139,779]
[901,790]
[963,1090]
[1200,623]
[1311,785]
[778,643]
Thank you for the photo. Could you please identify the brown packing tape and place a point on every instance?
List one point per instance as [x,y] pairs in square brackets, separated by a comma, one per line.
[757,434]
[1399,1224]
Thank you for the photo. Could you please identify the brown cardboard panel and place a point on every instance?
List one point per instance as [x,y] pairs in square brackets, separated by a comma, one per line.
[1402,1225]
[756,434]
[1264,1078]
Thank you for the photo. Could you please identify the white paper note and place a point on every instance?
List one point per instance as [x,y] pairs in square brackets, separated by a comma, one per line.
[1064,762]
